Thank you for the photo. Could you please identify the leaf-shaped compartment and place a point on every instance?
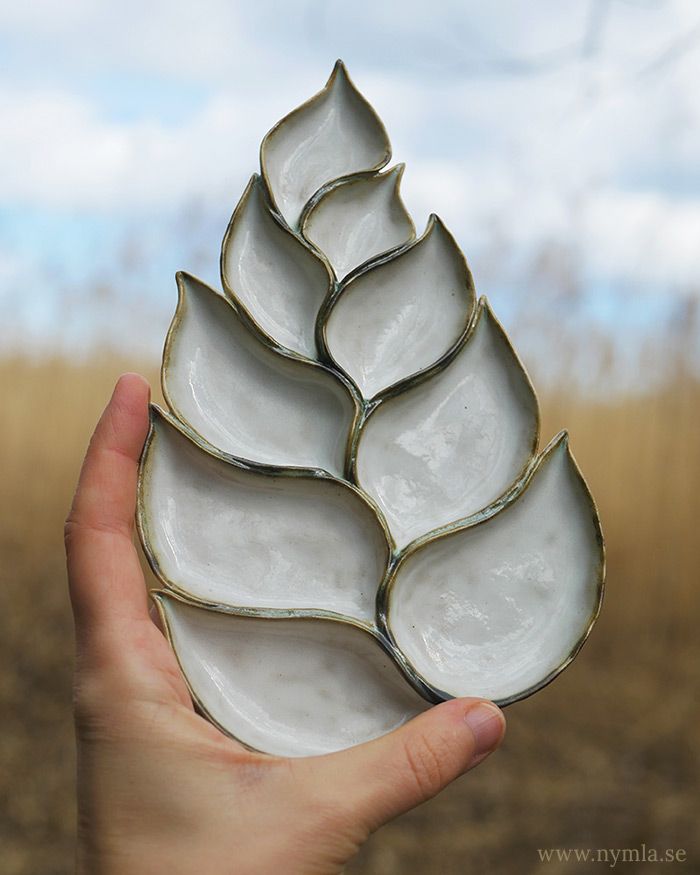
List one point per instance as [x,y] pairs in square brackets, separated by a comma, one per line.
[227,535]
[453,444]
[333,134]
[245,398]
[499,608]
[272,274]
[291,687]
[401,316]
[359,218]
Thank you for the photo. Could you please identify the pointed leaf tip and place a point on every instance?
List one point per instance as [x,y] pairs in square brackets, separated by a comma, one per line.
[499,607]
[454,444]
[207,345]
[333,134]
[269,273]
[358,218]
[402,315]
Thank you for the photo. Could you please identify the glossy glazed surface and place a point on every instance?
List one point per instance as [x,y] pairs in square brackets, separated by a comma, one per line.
[290,687]
[358,219]
[400,317]
[244,398]
[494,609]
[235,537]
[334,134]
[349,437]
[279,281]
[452,445]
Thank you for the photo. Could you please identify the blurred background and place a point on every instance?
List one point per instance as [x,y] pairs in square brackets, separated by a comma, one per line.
[560,143]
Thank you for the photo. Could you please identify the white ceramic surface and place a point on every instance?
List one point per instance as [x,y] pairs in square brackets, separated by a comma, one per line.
[291,687]
[448,447]
[358,219]
[268,270]
[334,134]
[235,537]
[494,609]
[243,397]
[403,315]
[452,560]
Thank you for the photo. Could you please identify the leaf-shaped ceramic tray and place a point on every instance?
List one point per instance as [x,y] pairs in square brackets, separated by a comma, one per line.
[345,503]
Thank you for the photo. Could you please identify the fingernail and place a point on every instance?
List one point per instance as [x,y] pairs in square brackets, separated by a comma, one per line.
[486,722]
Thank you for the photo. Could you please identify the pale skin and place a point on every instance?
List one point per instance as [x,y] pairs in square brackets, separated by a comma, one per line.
[161,790]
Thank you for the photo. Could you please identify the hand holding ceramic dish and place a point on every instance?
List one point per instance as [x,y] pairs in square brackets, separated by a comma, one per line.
[345,502]
[162,791]
[350,520]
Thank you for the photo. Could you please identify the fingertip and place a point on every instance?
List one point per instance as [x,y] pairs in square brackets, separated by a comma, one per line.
[134,387]
[487,724]
[126,416]
[476,727]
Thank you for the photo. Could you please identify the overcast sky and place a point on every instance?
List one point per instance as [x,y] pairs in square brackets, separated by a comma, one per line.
[134,126]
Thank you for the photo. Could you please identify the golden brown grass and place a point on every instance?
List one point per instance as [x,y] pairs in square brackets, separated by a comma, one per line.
[605,757]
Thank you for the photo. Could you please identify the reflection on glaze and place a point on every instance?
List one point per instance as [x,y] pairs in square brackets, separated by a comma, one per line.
[494,609]
[452,445]
[236,537]
[280,282]
[290,687]
[334,134]
[402,316]
[244,398]
[359,218]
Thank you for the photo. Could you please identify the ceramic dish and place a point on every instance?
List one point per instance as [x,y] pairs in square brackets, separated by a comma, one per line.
[344,502]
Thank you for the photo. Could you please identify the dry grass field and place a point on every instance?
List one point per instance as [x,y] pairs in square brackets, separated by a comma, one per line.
[606,757]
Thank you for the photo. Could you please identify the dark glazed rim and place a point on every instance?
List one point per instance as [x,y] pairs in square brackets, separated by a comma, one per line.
[310,474]
[230,293]
[484,516]
[339,72]
[182,278]
[434,223]
[326,193]
[158,596]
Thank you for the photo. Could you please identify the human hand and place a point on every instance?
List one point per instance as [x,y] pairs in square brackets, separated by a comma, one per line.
[161,790]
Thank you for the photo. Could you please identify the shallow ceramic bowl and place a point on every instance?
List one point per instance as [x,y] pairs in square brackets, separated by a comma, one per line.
[345,503]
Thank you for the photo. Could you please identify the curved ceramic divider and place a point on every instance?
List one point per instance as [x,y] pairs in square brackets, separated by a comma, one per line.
[246,398]
[250,676]
[498,605]
[358,219]
[333,134]
[401,315]
[277,572]
[451,445]
[272,275]
[281,541]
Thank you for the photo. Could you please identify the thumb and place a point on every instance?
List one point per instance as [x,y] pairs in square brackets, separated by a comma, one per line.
[386,777]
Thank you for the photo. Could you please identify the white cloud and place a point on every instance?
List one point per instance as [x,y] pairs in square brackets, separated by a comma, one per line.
[589,149]
[645,236]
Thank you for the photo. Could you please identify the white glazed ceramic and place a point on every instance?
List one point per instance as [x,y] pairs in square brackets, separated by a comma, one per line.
[292,687]
[344,504]
[271,274]
[495,608]
[234,536]
[359,218]
[452,445]
[334,134]
[403,315]
[243,397]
